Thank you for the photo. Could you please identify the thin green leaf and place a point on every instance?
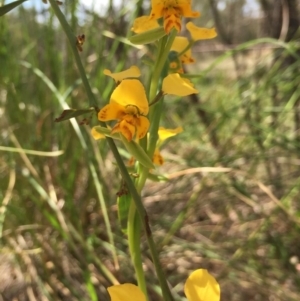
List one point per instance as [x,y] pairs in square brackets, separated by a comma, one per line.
[31,152]
[71,113]
[157,178]
[90,287]
[8,7]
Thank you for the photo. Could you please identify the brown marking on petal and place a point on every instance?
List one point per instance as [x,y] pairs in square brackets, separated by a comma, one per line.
[169,26]
[161,160]
[178,24]
[121,114]
[102,113]
[127,129]
[133,120]
[158,159]
[126,132]
[173,65]
[170,21]
[116,128]
[195,15]
[131,161]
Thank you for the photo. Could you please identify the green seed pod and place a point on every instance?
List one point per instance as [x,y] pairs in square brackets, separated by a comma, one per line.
[148,36]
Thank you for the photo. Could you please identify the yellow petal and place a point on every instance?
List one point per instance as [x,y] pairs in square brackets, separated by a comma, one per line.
[171,20]
[111,111]
[133,71]
[183,6]
[131,92]
[126,292]
[186,9]
[179,45]
[96,135]
[201,286]
[157,158]
[143,24]
[142,127]
[131,161]
[157,9]
[175,85]
[198,33]
[187,58]
[164,133]
[125,128]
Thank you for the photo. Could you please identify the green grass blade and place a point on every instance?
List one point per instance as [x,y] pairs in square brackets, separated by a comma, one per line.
[8,7]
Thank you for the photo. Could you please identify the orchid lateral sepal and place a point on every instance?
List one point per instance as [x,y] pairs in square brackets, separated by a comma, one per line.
[100,132]
[137,152]
[147,37]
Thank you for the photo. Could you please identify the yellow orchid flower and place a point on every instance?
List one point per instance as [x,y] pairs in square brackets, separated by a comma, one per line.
[179,45]
[163,134]
[182,47]
[172,11]
[133,71]
[174,84]
[157,158]
[129,105]
[200,286]
[199,33]
[142,24]
[126,292]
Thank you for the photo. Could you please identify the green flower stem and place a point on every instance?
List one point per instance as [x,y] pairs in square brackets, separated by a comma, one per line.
[134,193]
[134,222]
[156,110]
[164,47]
[157,69]
[144,220]
[157,98]
[134,232]
[134,241]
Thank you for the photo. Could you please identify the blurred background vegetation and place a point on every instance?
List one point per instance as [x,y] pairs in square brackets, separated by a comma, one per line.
[60,236]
